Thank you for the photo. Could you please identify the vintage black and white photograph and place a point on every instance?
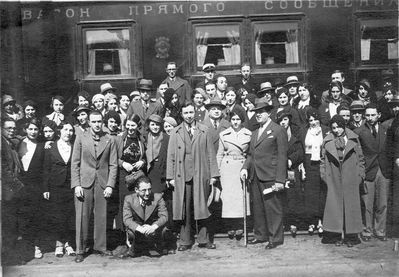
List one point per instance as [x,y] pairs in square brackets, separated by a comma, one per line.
[199,138]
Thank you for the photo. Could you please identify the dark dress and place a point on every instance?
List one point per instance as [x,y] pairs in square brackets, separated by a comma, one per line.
[131,150]
[156,171]
[60,207]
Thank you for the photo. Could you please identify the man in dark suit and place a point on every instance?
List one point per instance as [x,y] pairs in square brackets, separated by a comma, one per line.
[266,167]
[247,82]
[144,215]
[146,106]
[337,75]
[215,121]
[372,136]
[94,167]
[181,86]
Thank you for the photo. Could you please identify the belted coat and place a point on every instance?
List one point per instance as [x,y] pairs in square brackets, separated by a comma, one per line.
[205,165]
[343,180]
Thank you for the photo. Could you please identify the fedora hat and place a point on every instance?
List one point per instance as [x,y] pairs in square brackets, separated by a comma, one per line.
[208,67]
[357,105]
[145,84]
[281,114]
[264,87]
[292,80]
[394,102]
[106,86]
[8,99]
[262,105]
[155,118]
[215,103]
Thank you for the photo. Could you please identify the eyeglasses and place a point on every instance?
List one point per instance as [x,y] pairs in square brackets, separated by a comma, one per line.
[10,128]
[171,69]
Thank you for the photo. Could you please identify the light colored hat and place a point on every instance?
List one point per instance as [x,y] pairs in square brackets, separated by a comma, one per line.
[145,84]
[357,105]
[135,93]
[7,99]
[171,121]
[208,67]
[97,97]
[264,87]
[292,80]
[105,87]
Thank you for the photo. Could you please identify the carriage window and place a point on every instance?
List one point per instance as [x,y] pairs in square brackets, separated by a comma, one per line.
[276,43]
[379,41]
[218,44]
[107,52]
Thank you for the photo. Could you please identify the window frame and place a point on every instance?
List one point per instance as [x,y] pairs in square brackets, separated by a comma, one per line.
[136,68]
[360,17]
[213,21]
[303,63]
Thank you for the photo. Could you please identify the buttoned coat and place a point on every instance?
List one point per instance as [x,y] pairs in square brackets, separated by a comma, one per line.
[204,159]
[267,156]
[251,86]
[374,151]
[154,107]
[343,180]
[87,166]
[134,215]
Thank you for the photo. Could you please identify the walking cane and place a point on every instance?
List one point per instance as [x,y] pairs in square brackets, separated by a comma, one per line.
[244,187]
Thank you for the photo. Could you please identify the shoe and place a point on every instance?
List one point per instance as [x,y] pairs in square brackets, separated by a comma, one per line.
[102,253]
[256,241]
[311,229]
[207,245]
[79,258]
[38,253]
[171,251]
[293,230]
[69,250]
[349,244]
[129,253]
[382,238]
[365,238]
[184,247]
[59,251]
[119,250]
[339,243]
[239,234]
[272,245]
[231,234]
[320,230]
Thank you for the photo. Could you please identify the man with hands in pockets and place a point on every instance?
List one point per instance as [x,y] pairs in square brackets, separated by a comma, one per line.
[266,167]
[93,174]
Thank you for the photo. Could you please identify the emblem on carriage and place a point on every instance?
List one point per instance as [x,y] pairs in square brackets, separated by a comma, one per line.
[162,46]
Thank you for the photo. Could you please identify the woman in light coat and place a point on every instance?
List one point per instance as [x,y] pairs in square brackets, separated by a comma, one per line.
[232,151]
[342,169]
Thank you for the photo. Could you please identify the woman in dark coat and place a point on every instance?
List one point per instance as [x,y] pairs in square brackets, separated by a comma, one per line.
[314,189]
[31,154]
[307,99]
[57,190]
[250,118]
[342,169]
[284,104]
[294,193]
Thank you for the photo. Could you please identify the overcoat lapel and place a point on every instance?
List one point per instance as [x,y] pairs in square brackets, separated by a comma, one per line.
[348,147]
[102,144]
[330,148]
[138,209]
[149,210]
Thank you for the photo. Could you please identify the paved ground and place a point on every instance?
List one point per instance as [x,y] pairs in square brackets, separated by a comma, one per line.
[300,256]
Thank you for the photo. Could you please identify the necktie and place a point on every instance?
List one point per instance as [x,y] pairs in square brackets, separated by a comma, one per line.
[190,131]
[260,131]
[215,124]
[374,131]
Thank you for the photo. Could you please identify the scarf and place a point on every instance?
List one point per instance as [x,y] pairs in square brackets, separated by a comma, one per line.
[313,142]
[56,117]
[340,145]
[302,104]
[154,145]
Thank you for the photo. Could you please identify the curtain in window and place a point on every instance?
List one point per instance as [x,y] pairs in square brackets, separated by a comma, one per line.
[392,50]
[232,54]
[258,54]
[291,47]
[202,47]
[124,58]
[91,63]
[365,49]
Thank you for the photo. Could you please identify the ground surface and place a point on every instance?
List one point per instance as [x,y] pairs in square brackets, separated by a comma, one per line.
[300,256]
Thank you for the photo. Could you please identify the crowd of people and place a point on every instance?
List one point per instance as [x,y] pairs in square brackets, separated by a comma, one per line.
[154,167]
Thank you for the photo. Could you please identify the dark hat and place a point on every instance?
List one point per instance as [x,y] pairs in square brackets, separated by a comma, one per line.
[265,87]
[365,83]
[281,91]
[278,82]
[208,67]
[394,102]
[357,105]
[84,94]
[292,80]
[145,84]
[79,109]
[339,120]
[168,94]
[155,118]
[49,123]
[59,98]
[262,105]
[29,103]
[251,97]
[312,112]
[239,112]
[281,114]
[112,114]
[387,74]
[213,103]
[105,87]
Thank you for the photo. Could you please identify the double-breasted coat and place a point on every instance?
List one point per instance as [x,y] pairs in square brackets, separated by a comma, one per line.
[343,180]
[232,151]
[205,165]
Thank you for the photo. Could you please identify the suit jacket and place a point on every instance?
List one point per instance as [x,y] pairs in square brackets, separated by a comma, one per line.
[134,215]
[34,175]
[55,171]
[249,86]
[267,157]
[374,151]
[182,88]
[154,107]
[89,167]
[214,133]
[295,152]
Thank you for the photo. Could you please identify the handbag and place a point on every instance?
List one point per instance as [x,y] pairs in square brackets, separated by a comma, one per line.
[131,178]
